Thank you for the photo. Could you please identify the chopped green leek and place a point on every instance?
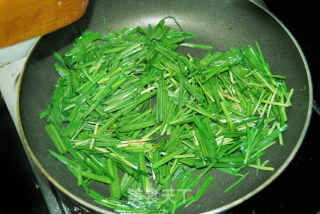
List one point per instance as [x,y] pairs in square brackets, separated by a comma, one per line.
[135,114]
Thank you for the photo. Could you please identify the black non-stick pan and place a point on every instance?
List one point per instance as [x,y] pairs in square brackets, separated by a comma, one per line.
[221,23]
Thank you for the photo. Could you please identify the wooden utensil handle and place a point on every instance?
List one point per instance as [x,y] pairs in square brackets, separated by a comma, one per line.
[24,19]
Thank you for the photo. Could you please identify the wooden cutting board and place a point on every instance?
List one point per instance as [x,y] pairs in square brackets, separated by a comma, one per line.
[21,20]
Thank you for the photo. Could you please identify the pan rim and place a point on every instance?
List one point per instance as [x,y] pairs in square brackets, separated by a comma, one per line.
[217,210]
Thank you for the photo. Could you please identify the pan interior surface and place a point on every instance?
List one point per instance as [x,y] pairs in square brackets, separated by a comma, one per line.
[223,24]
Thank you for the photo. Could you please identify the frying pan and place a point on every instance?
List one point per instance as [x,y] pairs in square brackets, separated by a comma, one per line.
[223,24]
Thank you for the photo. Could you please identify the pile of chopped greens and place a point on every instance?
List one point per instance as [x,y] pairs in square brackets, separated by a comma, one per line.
[132,113]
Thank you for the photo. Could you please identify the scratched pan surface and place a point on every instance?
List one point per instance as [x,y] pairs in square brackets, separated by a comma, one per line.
[223,24]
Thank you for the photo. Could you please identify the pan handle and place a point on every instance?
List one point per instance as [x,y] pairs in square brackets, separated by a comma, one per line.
[316,107]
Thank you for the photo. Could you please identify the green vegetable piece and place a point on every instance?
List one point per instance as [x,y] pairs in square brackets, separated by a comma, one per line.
[237,182]
[111,167]
[167,158]
[56,138]
[204,186]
